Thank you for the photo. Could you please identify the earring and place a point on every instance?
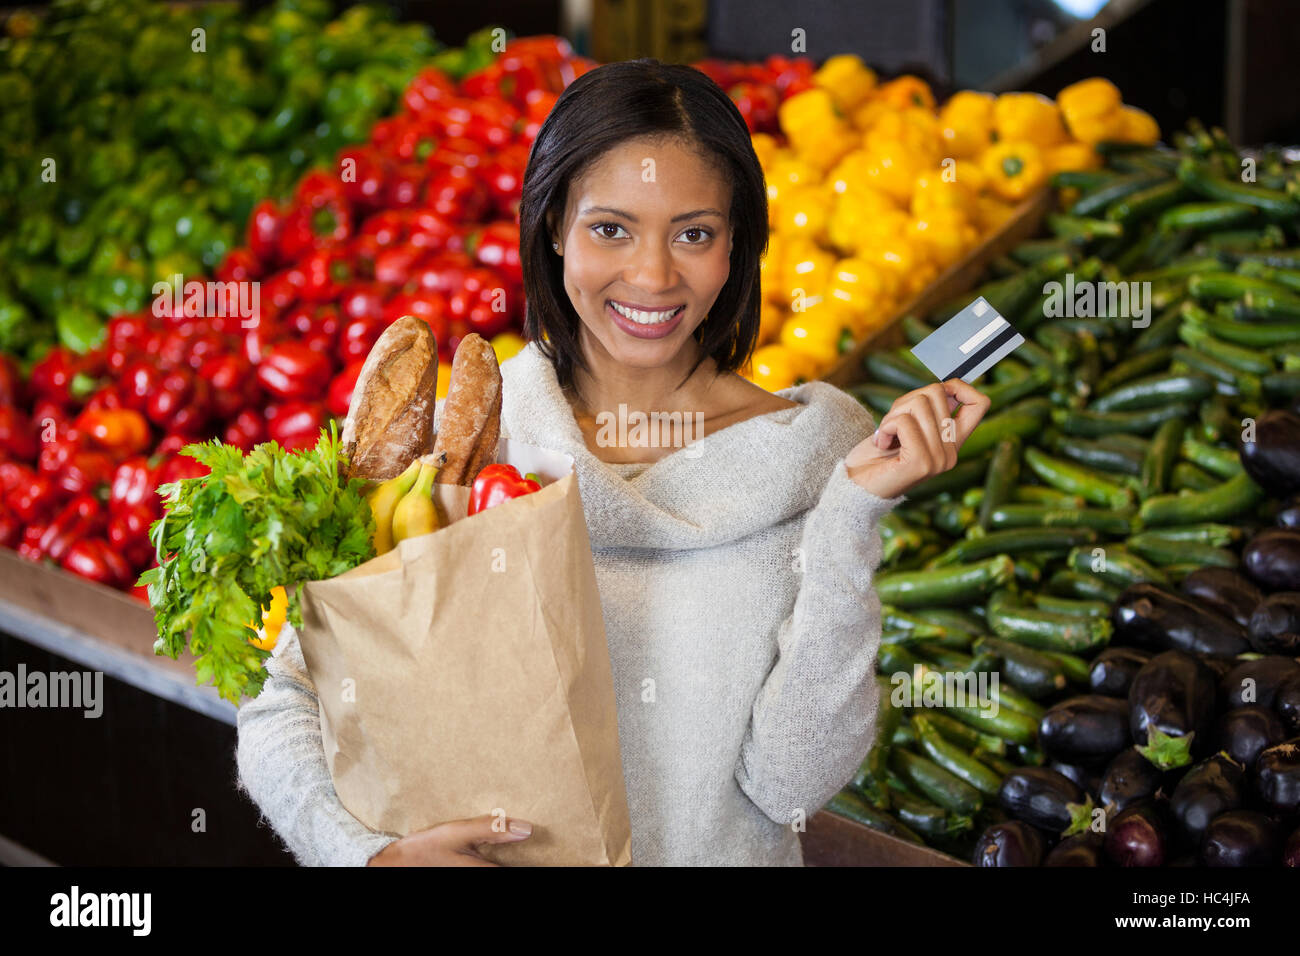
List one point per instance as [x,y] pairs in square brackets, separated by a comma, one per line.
[555,246]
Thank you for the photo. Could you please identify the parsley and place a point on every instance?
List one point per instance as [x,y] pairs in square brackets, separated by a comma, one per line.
[256,521]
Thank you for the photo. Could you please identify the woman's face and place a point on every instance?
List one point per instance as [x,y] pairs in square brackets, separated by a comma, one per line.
[646,242]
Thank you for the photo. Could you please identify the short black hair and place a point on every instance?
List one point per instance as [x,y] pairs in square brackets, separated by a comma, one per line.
[600,109]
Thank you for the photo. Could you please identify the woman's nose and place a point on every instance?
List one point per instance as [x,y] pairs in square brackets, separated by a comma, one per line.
[651,269]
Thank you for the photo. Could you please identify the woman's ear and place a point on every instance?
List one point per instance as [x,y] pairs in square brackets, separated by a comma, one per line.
[554,233]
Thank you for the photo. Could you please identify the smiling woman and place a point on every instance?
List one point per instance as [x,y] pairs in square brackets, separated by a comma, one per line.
[735,567]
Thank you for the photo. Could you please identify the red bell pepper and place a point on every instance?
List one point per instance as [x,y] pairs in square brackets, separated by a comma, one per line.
[128,533]
[232,383]
[247,429]
[139,380]
[291,370]
[264,227]
[363,171]
[362,300]
[79,518]
[327,271]
[430,307]
[295,425]
[433,232]
[121,431]
[457,194]
[11,531]
[406,185]
[85,472]
[175,391]
[11,382]
[496,484]
[483,303]
[358,336]
[393,265]
[426,89]
[29,548]
[240,265]
[29,496]
[52,376]
[134,485]
[95,560]
[496,247]
[17,435]
[322,333]
[387,227]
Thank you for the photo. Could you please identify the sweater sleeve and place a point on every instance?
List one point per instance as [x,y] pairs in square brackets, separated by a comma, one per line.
[282,767]
[814,718]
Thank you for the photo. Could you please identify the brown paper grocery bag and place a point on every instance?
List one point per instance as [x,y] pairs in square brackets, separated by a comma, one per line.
[466,672]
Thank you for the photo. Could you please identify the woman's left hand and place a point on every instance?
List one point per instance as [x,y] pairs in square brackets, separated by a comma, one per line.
[918,438]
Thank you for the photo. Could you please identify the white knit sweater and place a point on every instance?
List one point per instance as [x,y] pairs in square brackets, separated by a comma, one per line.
[737,581]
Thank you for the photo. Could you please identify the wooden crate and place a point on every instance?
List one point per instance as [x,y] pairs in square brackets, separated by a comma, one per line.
[832,840]
[961,277]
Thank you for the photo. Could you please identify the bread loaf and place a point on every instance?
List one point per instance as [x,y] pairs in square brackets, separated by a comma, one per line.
[470,426]
[390,418]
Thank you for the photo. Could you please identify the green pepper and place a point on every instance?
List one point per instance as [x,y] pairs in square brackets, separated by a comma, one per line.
[35,234]
[110,163]
[235,128]
[79,328]
[16,329]
[118,292]
[74,244]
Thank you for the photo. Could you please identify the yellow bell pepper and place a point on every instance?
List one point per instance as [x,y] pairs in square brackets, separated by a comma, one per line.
[808,267]
[916,129]
[933,191]
[771,268]
[807,111]
[824,148]
[1091,97]
[993,213]
[804,211]
[864,292]
[869,113]
[819,332]
[766,149]
[1015,169]
[848,80]
[1139,126]
[507,345]
[770,319]
[897,255]
[892,168]
[969,172]
[775,367]
[945,233]
[1071,156]
[858,214]
[907,90]
[1028,118]
[966,123]
[788,172]
[444,377]
[272,621]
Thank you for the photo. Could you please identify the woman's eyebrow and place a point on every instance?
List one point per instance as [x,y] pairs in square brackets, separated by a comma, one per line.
[610,211]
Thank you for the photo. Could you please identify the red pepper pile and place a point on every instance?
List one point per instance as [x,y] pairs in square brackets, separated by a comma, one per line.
[422,220]
[758,89]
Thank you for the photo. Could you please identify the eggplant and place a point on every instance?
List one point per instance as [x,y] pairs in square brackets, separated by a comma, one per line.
[1043,798]
[1274,628]
[1272,559]
[1258,681]
[1277,775]
[1273,458]
[1085,777]
[1287,705]
[1291,851]
[1240,838]
[1288,515]
[1010,844]
[1244,732]
[1138,836]
[1172,695]
[1088,730]
[1212,787]
[1151,617]
[1114,668]
[1130,777]
[1231,594]
[1082,849]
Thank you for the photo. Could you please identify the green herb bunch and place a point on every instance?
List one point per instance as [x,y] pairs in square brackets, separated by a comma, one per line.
[257,521]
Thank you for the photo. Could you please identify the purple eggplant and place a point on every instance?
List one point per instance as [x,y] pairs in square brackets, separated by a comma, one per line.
[1291,851]
[1212,787]
[1131,777]
[1273,458]
[1010,844]
[1044,798]
[1114,668]
[1224,590]
[1240,838]
[1085,777]
[1082,849]
[1149,616]
[1288,516]
[1088,730]
[1272,559]
[1171,706]
[1274,628]
[1138,836]
[1287,705]
[1258,681]
[1277,776]
[1246,731]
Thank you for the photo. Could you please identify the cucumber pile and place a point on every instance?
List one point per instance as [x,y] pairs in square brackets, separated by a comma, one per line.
[1117,467]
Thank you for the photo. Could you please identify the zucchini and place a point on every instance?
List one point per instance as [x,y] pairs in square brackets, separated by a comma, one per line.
[1228,380]
[1078,480]
[953,619]
[1187,476]
[1208,216]
[1154,391]
[1163,552]
[1103,520]
[1076,669]
[1233,497]
[853,807]
[959,584]
[1223,462]
[1141,364]
[935,783]
[1215,286]
[1020,422]
[1042,495]
[1093,424]
[877,397]
[1028,670]
[1162,455]
[1084,586]
[1239,358]
[1269,306]
[964,736]
[1119,566]
[1209,532]
[927,818]
[959,476]
[1076,606]
[1200,179]
[1096,200]
[1014,540]
[1103,455]
[1046,630]
[889,369]
[943,753]
[1003,475]
[1147,202]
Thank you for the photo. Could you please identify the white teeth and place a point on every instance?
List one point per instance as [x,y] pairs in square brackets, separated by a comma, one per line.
[644,318]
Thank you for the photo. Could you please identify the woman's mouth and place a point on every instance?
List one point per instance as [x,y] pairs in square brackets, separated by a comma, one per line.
[644,323]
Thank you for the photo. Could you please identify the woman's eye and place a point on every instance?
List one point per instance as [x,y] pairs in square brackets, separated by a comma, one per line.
[603,230]
[701,235]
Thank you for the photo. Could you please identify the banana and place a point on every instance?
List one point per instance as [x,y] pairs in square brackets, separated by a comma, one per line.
[415,514]
[383,502]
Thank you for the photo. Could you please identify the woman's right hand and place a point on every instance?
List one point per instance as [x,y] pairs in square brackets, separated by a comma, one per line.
[452,844]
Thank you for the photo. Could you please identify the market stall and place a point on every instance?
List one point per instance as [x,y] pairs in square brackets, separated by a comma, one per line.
[1110,570]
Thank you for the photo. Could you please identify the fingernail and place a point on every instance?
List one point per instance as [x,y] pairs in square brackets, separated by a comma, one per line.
[521,828]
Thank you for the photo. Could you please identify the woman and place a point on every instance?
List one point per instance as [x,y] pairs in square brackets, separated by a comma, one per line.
[735,574]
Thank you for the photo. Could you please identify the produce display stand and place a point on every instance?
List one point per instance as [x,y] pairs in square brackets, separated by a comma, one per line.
[831,840]
[1022,224]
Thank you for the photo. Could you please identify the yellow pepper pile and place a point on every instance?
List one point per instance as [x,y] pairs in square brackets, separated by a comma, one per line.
[873,192]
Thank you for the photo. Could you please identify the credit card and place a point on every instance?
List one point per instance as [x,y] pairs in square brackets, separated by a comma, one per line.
[968,344]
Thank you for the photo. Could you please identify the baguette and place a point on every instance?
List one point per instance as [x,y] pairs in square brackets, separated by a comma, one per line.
[390,418]
[470,426]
